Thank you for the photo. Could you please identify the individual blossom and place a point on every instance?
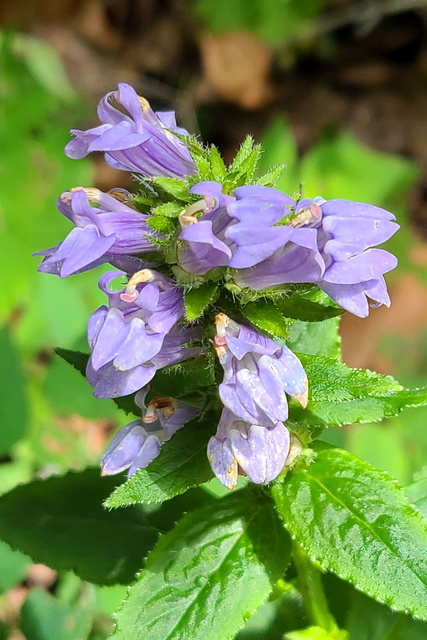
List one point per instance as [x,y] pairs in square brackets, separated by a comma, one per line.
[135,138]
[253,231]
[140,441]
[136,334]
[244,448]
[105,228]
[203,245]
[258,373]
[332,243]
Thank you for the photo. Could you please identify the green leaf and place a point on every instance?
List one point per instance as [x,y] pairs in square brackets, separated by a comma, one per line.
[13,398]
[61,522]
[196,300]
[417,494]
[265,315]
[79,361]
[218,168]
[332,381]
[243,153]
[369,620]
[169,209]
[316,338]
[209,574]
[339,395]
[160,223]
[13,567]
[271,177]
[301,308]
[355,521]
[316,633]
[249,166]
[43,617]
[173,187]
[182,464]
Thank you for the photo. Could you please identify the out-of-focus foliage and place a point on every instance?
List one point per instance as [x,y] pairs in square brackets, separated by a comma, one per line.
[270,20]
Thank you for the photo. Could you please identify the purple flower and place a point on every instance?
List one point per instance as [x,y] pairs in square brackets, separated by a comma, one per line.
[136,334]
[253,233]
[108,230]
[258,373]
[244,448]
[139,442]
[134,137]
[331,244]
[203,245]
[237,231]
[251,438]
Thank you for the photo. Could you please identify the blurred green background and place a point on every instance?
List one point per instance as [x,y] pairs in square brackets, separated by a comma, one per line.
[336,89]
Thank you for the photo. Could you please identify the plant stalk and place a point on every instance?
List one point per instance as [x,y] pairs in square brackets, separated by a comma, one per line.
[311,588]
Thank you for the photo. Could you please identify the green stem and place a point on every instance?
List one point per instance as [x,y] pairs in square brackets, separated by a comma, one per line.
[311,589]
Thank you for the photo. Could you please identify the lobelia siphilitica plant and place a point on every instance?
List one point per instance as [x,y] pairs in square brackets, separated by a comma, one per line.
[219,333]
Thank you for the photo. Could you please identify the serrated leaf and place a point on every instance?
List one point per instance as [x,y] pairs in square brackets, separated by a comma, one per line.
[209,574]
[339,395]
[174,187]
[160,223]
[332,381]
[355,521]
[249,166]
[182,464]
[266,316]
[218,168]
[168,209]
[61,522]
[270,178]
[196,300]
[244,151]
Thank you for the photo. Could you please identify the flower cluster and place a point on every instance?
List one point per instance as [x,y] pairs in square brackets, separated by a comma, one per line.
[243,237]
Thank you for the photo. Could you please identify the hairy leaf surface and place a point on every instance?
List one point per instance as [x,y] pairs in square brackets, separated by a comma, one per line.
[355,521]
[61,522]
[339,395]
[209,574]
